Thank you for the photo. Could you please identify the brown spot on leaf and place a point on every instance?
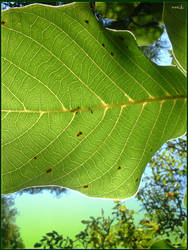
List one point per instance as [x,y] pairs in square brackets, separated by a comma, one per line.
[48,170]
[3,22]
[119,168]
[86,21]
[79,134]
[112,54]
[85,186]
[75,110]
[91,110]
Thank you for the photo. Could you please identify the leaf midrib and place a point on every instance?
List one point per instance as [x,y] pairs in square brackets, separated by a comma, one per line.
[107,106]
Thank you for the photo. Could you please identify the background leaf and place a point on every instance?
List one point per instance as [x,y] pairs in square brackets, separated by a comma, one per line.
[161,244]
[82,107]
[147,13]
[175,20]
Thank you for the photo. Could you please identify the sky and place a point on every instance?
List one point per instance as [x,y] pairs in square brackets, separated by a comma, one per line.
[44,212]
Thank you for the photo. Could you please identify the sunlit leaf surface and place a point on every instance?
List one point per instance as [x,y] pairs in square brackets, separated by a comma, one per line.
[82,107]
[175,19]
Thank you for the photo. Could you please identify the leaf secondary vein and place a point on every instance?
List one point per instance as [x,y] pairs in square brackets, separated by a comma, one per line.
[58,59]
[86,54]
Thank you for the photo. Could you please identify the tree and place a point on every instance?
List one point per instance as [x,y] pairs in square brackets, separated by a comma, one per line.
[101,233]
[58,191]
[10,236]
[164,187]
[114,232]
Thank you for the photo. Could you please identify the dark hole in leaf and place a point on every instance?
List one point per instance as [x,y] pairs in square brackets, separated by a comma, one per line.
[35,157]
[48,170]
[103,45]
[112,54]
[136,179]
[86,21]
[121,38]
[85,186]
[80,133]
[119,168]
[2,22]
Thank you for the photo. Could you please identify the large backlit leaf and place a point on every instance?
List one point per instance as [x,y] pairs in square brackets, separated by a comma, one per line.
[82,107]
[175,20]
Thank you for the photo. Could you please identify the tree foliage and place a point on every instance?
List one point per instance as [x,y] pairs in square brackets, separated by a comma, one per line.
[141,18]
[58,191]
[163,190]
[10,236]
[118,231]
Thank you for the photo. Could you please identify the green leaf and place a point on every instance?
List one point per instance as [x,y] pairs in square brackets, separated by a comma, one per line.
[115,10]
[37,245]
[161,244]
[146,34]
[82,107]
[175,20]
[185,198]
[185,203]
[85,221]
[185,227]
[50,234]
